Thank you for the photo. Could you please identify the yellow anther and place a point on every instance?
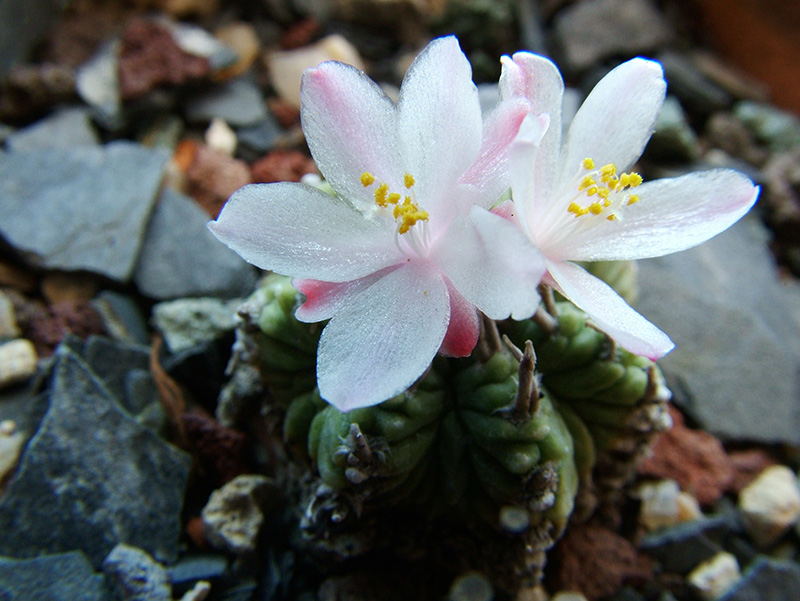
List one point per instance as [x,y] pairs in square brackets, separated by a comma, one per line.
[588,164]
[393,198]
[380,194]
[603,193]
[367,179]
[625,180]
[635,179]
[595,208]
[633,199]
[612,217]
[408,180]
[577,209]
[608,170]
[592,191]
[587,182]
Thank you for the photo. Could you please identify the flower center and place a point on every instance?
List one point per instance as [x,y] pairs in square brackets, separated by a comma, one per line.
[606,192]
[406,213]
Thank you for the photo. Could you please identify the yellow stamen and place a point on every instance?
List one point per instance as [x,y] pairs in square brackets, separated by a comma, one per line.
[393,198]
[633,199]
[595,208]
[587,182]
[606,189]
[576,209]
[612,217]
[367,179]
[625,180]
[408,180]
[588,164]
[380,195]
[635,179]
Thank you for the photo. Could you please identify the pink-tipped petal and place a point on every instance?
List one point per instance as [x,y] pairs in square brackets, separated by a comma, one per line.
[323,299]
[609,311]
[617,118]
[673,214]
[464,327]
[351,128]
[538,80]
[440,122]
[383,338]
[298,230]
[489,174]
[492,264]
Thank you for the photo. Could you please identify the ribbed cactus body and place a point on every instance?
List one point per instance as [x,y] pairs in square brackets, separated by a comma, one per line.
[287,348]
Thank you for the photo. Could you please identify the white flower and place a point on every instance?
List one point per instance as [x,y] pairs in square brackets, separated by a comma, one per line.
[576,201]
[405,254]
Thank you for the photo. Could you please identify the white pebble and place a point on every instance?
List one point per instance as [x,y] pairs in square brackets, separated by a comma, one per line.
[8,319]
[770,505]
[17,361]
[11,443]
[659,504]
[716,576]
[220,136]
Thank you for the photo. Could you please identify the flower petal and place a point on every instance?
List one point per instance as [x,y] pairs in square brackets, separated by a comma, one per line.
[617,118]
[440,123]
[489,174]
[538,80]
[464,327]
[673,214]
[323,299]
[300,231]
[350,126]
[492,264]
[523,154]
[384,338]
[609,311]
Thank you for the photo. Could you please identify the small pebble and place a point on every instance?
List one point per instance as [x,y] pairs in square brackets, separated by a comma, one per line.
[472,586]
[233,516]
[659,504]
[220,136]
[8,318]
[17,361]
[61,286]
[770,505]
[136,575]
[198,592]
[287,67]
[243,40]
[11,443]
[713,578]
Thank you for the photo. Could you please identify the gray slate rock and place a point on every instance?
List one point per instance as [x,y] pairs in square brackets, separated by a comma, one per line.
[65,129]
[188,322]
[61,577]
[85,208]
[767,579]
[681,548]
[239,102]
[122,317]
[91,477]
[181,258]
[136,575]
[697,93]
[735,326]
[262,136]
[591,31]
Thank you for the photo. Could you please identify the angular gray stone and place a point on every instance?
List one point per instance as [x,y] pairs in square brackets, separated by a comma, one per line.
[181,258]
[65,129]
[122,317]
[735,327]
[85,208]
[61,577]
[591,31]
[136,575]
[188,322]
[239,102]
[767,579]
[91,477]
[262,136]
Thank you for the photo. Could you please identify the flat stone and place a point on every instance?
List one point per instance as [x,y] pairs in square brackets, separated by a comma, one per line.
[97,83]
[716,576]
[591,31]
[681,548]
[96,199]
[97,477]
[234,515]
[65,128]
[238,102]
[261,136]
[735,325]
[59,577]
[181,258]
[121,317]
[767,579]
[770,505]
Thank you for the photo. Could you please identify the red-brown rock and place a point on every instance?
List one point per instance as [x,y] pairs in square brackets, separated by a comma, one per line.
[282,166]
[285,114]
[47,326]
[150,57]
[300,34]
[597,562]
[222,451]
[693,458]
[211,175]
